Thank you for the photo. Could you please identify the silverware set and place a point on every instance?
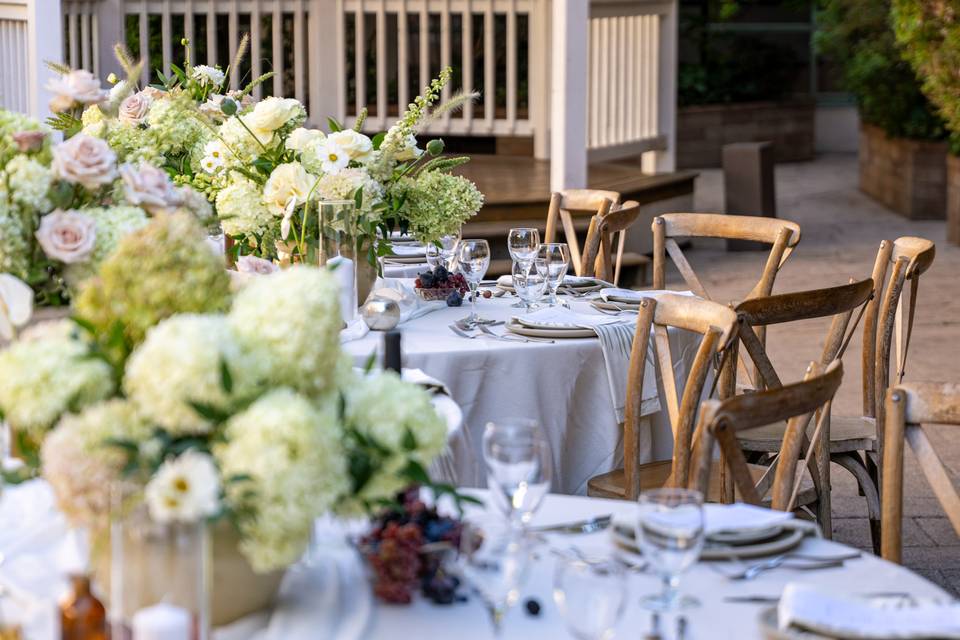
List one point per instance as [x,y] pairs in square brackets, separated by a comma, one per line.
[797,561]
[486,332]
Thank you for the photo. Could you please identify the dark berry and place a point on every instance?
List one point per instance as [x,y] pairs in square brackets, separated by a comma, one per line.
[533,606]
[427,280]
[441,273]
[487,293]
[454,299]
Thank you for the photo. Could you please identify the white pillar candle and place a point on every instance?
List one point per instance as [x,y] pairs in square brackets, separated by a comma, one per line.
[162,622]
[344,272]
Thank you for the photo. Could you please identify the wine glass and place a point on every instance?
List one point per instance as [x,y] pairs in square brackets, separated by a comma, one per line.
[519,467]
[557,257]
[530,281]
[523,243]
[474,259]
[494,560]
[443,251]
[591,595]
[670,534]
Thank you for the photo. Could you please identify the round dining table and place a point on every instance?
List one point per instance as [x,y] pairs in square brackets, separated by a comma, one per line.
[564,385]
[333,599]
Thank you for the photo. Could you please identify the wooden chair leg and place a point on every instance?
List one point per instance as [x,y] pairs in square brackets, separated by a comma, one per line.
[855,465]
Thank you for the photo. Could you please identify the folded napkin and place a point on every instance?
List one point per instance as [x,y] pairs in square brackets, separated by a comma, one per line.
[354,330]
[563,317]
[839,615]
[568,281]
[408,249]
[616,294]
[740,517]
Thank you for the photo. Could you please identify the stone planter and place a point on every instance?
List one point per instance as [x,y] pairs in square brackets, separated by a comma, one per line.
[703,130]
[907,176]
[953,199]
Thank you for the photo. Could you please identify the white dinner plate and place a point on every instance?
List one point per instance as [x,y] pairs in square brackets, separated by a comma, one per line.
[580,285]
[789,536]
[549,332]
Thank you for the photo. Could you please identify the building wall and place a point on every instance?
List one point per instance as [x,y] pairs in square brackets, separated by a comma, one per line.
[836,129]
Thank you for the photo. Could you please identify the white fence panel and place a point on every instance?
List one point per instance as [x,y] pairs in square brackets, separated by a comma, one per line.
[30,34]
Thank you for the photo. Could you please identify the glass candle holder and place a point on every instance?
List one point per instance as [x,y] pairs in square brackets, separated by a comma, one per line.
[338,235]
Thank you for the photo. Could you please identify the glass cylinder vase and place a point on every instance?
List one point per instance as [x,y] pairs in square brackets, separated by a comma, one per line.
[159,576]
[337,221]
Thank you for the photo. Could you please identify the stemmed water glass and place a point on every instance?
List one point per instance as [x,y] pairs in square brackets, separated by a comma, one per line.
[443,252]
[530,281]
[523,243]
[670,535]
[519,467]
[474,260]
[557,258]
[494,560]
[591,595]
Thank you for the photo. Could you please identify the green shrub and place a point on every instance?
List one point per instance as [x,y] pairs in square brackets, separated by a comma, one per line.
[858,35]
[929,35]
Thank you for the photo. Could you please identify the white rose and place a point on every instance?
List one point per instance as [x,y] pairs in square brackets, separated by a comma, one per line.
[76,87]
[16,305]
[287,187]
[255,265]
[300,138]
[410,150]
[185,489]
[134,108]
[356,145]
[206,75]
[67,236]
[150,188]
[271,114]
[85,160]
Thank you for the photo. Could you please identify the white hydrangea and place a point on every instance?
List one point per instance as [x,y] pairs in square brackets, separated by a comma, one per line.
[207,75]
[15,252]
[290,322]
[40,380]
[112,225]
[243,147]
[343,186]
[181,361]
[240,208]
[29,183]
[387,409]
[291,450]
[78,464]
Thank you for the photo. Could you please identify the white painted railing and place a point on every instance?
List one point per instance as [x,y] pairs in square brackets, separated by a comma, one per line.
[29,35]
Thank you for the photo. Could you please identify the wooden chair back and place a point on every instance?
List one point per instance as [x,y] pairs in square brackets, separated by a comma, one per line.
[564,205]
[908,406]
[883,322]
[841,302]
[783,235]
[721,421]
[598,260]
[716,323]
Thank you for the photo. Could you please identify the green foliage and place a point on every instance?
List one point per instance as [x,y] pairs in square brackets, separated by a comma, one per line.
[857,34]
[929,35]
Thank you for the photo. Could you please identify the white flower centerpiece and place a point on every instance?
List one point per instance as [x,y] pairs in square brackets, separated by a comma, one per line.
[204,405]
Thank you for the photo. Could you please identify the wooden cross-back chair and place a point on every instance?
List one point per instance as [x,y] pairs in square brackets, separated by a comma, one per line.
[565,205]
[598,254]
[840,303]
[716,323]
[725,422]
[908,406]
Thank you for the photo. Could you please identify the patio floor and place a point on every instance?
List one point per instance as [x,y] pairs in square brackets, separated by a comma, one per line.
[842,230]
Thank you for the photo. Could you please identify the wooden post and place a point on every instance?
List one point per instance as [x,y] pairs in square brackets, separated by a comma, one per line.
[44,42]
[110,27]
[568,95]
[539,78]
[665,161]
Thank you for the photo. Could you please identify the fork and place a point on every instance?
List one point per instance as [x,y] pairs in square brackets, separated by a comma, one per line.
[463,334]
[752,571]
[509,337]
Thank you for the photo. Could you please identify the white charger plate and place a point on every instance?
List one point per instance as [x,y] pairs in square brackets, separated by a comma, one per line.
[549,332]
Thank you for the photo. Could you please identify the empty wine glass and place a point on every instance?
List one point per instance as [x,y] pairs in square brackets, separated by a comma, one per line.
[530,281]
[670,534]
[443,251]
[523,243]
[591,595]
[474,260]
[494,560]
[557,257]
[519,467]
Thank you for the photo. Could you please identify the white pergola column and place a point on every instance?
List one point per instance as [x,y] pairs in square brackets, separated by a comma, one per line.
[44,43]
[568,95]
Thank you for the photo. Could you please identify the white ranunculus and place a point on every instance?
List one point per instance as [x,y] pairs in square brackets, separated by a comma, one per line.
[16,305]
[76,87]
[287,186]
[206,75]
[255,265]
[134,108]
[150,188]
[185,489]
[300,138]
[333,158]
[356,145]
[410,150]
[67,236]
[86,161]
[272,113]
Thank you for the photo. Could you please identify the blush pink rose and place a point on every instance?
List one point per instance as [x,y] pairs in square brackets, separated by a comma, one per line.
[76,87]
[85,160]
[67,236]
[150,188]
[28,140]
[134,108]
[255,265]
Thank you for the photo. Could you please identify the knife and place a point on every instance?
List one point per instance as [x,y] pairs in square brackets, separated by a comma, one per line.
[580,526]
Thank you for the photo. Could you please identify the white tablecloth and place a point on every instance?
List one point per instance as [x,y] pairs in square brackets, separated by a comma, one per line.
[334,601]
[402,269]
[563,385]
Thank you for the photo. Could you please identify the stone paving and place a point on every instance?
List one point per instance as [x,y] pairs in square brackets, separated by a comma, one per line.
[842,230]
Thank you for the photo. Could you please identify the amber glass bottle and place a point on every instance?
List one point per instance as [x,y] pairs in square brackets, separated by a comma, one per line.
[82,617]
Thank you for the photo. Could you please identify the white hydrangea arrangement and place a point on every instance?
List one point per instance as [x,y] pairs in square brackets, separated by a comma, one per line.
[64,207]
[252,414]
